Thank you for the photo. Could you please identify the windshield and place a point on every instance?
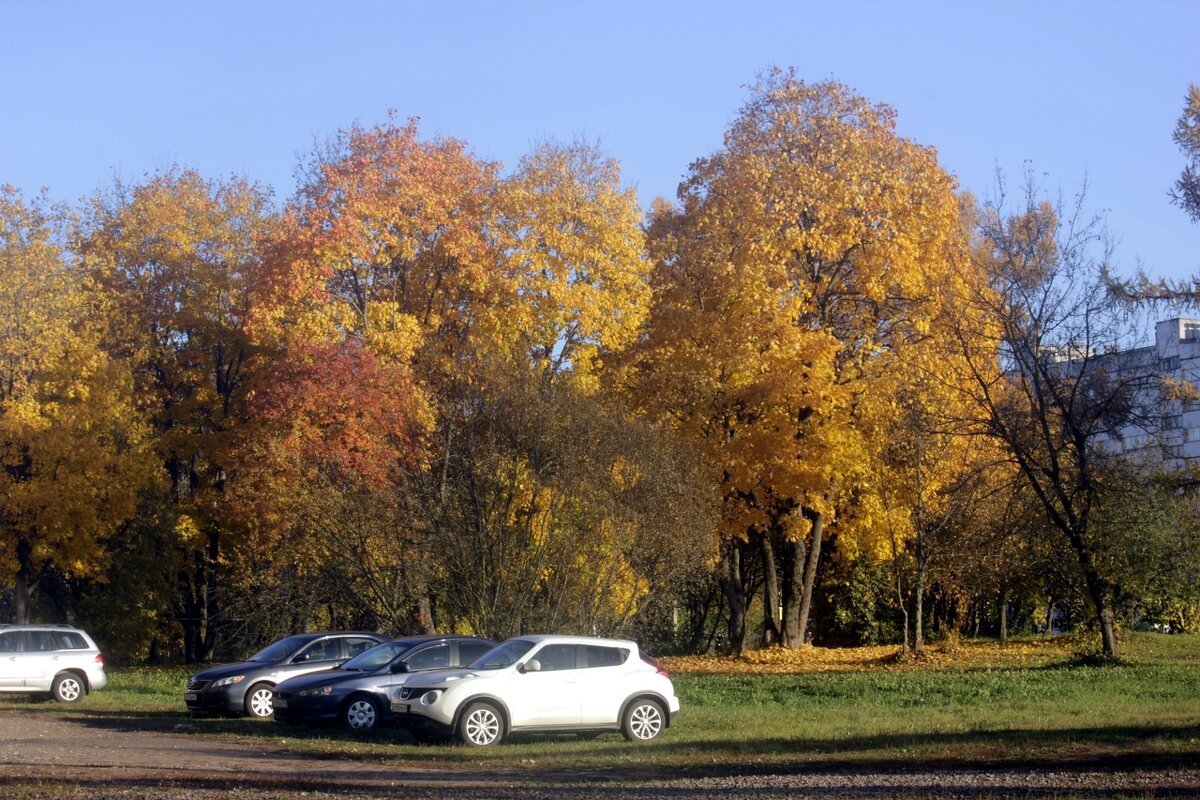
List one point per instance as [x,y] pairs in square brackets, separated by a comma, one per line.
[281,650]
[503,655]
[378,656]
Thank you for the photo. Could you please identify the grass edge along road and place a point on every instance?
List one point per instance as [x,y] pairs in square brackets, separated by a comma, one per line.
[978,706]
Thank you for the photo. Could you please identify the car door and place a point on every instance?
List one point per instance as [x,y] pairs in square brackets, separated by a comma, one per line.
[550,695]
[324,653]
[10,657]
[39,659]
[602,683]
[434,656]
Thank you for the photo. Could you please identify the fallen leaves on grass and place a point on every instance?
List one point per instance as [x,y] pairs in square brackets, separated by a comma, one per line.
[963,655]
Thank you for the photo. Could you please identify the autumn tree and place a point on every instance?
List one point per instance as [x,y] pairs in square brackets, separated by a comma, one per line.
[805,254]
[1064,397]
[933,481]
[335,428]
[73,444]
[177,256]
[488,289]
[1186,192]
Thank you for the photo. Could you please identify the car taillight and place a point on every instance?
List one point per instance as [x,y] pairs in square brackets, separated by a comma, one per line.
[99,659]
[659,668]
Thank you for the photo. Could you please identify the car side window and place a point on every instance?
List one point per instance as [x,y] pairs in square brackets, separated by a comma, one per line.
[40,641]
[322,650]
[71,641]
[8,641]
[357,644]
[556,657]
[430,658]
[469,651]
[598,656]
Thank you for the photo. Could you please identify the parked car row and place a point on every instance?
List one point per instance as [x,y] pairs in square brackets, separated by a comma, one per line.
[442,687]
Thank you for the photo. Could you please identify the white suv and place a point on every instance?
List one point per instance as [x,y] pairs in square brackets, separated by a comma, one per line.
[58,659]
[543,683]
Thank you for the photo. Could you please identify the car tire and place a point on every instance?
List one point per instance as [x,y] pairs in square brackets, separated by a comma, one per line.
[260,701]
[361,714]
[480,725]
[643,720]
[67,688]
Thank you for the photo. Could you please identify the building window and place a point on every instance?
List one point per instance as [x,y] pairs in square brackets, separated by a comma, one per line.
[1170,363]
[1191,332]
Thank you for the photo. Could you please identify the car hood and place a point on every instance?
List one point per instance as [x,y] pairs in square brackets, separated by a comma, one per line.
[325,677]
[440,677]
[225,670]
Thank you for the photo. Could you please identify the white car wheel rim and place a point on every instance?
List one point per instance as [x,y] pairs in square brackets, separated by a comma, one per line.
[646,721]
[361,715]
[260,703]
[482,726]
[69,689]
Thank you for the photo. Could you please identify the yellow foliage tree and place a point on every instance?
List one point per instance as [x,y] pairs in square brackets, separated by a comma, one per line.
[177,256]
[808,252]
[73,446]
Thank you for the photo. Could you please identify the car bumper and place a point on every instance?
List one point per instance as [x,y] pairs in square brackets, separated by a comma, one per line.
[421,723]
[303,709]
[219,701]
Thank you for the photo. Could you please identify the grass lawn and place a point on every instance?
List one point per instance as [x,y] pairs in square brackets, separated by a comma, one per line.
[980,705]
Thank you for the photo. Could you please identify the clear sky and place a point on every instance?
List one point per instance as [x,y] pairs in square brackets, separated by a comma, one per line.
[89,90]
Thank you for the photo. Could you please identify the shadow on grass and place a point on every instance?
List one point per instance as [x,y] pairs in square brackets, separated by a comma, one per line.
[252,788]
[610,758]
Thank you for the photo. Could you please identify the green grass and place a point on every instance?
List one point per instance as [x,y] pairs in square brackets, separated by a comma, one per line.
[1144,709]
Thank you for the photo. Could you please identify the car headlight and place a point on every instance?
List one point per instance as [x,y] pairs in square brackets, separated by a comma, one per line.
[431,697]
[316,691]
[230,681]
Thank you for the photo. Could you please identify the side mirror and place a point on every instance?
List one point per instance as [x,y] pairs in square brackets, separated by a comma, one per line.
[399,667]
[532,665]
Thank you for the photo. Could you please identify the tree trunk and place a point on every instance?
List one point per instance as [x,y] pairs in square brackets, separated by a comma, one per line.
[21,598]
[1098,590]
[919,597]
[24,582]
[771,633]
[810,573]
[1003,615]
[734,590]
[425,615]
[794,554]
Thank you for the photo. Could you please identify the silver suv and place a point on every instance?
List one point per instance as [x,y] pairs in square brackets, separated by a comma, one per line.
[58,659]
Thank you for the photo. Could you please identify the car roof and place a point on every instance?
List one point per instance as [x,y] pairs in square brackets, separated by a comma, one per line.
[448,637]
[319,634]
[539,638]
[25,626]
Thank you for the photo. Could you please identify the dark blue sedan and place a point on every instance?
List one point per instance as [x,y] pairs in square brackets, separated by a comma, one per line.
[359,693]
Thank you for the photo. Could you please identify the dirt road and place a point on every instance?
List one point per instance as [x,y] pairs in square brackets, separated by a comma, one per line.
[43,755]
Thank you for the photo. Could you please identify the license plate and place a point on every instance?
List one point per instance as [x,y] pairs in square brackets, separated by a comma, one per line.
[280,703]
[190,696]
[400,708]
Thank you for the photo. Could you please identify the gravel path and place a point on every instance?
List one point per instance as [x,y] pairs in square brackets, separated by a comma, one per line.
[47,756]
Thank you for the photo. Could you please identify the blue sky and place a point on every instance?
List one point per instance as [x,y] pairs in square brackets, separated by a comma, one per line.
[89,90]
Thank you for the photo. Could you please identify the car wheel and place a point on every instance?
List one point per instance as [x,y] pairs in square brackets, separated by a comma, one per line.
[260,701]
[361,714]
[480,725]
[643,721]
[67,688]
